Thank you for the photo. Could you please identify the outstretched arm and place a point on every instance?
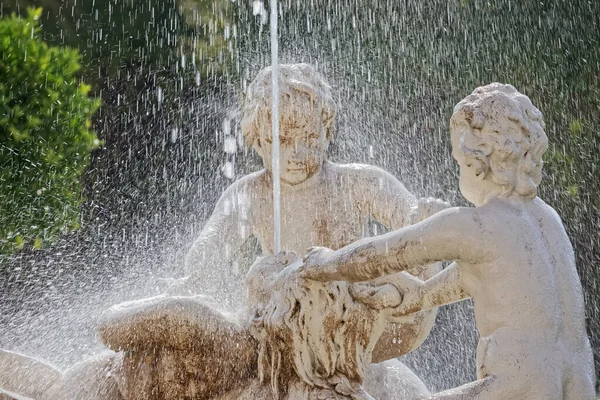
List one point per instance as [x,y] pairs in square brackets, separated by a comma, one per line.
[207,262]
[396,207]
[452,234]
[444,288]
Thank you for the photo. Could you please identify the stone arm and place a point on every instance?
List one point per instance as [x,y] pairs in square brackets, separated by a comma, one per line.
[446,287]
[395,207]
[392,204]
[452,234]
[207,263]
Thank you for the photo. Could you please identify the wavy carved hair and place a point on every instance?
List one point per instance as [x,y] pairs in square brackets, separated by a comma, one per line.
[319,330]
[301,87]
[513,155]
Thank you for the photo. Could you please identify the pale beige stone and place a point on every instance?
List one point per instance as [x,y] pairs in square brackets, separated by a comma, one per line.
[174,347]
[26,376]
[511,255]
[178,348]
[296,339]
[322,203]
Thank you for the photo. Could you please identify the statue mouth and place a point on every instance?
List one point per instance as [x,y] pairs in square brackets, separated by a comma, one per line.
[296,170]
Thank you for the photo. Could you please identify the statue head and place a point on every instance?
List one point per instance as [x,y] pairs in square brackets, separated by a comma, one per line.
[306,120]
[314,331]
[498,140]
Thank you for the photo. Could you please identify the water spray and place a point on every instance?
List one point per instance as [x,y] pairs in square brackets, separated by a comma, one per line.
[275,128]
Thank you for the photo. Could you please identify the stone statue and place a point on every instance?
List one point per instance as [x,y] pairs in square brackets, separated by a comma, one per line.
[174,346]
[297,339]
[511,255]
[322,203]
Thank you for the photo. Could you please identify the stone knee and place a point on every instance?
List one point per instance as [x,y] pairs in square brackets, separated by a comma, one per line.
[393,380]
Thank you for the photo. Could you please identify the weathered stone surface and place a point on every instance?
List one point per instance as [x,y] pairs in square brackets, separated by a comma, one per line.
[322,203]
[27,376]
[511,255]
[178,348]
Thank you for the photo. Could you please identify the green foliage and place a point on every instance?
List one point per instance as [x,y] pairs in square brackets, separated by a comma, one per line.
[45,136]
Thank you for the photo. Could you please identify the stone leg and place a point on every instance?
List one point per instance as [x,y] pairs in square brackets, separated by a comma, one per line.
[393,380]
[512,367]
[27,377]
[580,385]
[494,388]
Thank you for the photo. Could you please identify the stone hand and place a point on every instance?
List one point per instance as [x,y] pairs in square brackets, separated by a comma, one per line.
[412,291]
[319,264]
[376,297]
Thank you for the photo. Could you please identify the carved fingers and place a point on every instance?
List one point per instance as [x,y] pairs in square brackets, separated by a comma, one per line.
[319,265]
[403,294]
[376,297]
[412,291]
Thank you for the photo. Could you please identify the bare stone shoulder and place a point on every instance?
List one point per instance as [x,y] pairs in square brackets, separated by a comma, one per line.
[468,229]
[251,182]
[364,172]
[364,180]
[241,192]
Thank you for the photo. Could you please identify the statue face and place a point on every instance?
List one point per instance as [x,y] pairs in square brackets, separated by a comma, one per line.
[302,147]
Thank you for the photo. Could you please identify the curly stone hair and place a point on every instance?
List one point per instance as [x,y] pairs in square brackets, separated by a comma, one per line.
[513,156]
[299,85]
[320,332]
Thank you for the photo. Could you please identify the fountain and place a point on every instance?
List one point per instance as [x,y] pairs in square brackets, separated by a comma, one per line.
[307,333]
[298,334]
[511,255]
[167,346]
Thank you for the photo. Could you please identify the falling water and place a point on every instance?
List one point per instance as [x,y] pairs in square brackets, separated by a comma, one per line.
[397,69]
[275,128]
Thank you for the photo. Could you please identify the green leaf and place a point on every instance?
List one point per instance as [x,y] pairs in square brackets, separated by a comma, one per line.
[574,190]
[575,127]
[45,134]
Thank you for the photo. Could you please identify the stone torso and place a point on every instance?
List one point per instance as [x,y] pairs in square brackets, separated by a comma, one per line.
[518,294]
[333,210]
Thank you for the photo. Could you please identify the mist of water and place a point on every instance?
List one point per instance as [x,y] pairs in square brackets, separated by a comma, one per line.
[275,127]
[172,141]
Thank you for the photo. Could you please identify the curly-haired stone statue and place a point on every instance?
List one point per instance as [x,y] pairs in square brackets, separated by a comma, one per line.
[511,255]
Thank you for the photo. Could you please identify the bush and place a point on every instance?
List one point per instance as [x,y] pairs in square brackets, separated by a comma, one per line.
[45,136]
